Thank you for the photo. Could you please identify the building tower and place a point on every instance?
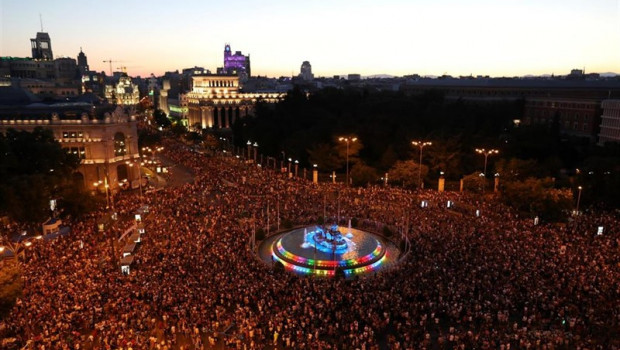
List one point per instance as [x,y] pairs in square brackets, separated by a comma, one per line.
[305,72]
[82,62]
[235,64]
[42,47]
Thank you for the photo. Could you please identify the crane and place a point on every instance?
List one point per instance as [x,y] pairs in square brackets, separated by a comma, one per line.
[110,62]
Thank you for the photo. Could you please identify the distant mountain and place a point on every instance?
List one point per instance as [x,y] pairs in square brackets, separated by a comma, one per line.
[608,74]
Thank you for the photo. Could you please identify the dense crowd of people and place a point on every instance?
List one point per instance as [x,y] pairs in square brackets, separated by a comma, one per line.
[493,281]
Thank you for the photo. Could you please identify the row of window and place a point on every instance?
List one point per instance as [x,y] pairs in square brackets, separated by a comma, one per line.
[78,151]
[610,123]
[563,116]
[566,124]
[72,134]
[557,104]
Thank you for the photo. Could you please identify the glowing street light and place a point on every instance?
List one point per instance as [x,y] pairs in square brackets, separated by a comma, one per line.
[421,145]
[486,154]
[347,140]
[578,199]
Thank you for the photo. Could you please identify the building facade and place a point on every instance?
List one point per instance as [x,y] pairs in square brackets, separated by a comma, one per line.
[235,64]
[578,117]
[610,122]
[216,101]
[124,93]
[107,147]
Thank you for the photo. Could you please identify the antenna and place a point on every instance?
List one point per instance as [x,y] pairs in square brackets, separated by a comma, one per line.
[41,20]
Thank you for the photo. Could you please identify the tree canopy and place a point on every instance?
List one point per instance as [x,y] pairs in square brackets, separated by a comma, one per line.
[33,169]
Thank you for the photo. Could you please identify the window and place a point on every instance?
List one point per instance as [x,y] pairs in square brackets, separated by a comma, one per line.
[80,152]
[72,134]
[119,144]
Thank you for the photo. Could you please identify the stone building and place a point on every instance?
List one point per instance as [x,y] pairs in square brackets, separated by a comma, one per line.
[216,101]
[124,93]
[610,122]
[105,139]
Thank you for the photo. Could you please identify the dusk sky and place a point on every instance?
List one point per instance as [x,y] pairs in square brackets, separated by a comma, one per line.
[479,37]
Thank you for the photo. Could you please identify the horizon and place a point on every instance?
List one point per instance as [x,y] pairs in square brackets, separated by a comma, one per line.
[397,38]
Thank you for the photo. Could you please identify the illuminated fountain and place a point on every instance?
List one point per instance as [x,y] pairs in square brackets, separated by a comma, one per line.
[322,250]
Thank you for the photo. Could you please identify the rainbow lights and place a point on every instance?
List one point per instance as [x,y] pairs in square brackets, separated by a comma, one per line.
[299,264]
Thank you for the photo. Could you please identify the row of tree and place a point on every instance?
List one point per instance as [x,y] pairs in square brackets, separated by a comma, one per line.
[536,164]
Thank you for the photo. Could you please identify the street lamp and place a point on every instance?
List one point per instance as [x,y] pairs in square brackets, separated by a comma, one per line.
[107,197]
[137,161]
[421,145]
[296,167]
[347,140]
[249,146]
[255,150]
[578,199]
[486,154]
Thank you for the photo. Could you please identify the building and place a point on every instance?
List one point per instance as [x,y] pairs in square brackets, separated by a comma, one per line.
[82,63]
[610,122]
[124,93]
[235,64]
[105,139]
[215,101]
[577,117]
[354,77]
[42,47]
[45,76]
[305,72]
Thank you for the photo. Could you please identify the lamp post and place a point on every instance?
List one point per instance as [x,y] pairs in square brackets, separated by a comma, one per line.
[421,145]
[486,154]
[578,199]
[315,173]
[296,167]
[107,196]
[249,146]
[255,150]
[290,161]
[347,140]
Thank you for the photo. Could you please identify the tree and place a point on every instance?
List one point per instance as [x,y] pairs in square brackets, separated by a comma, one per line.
[362,174]
[538,197]
[325,156]
[406,173]
[161,119]
[515,169]
[34,168]
[10,285]
[473,182]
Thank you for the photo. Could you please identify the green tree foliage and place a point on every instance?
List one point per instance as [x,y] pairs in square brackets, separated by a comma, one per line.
[10,285]
[538,197]
[325,156]
[473,182]
[33,169]
[148,138]
[405,173]
[515,169]
[161,119]
[384,122]
[362,174]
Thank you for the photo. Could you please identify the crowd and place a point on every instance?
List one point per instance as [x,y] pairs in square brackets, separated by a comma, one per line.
[494,281]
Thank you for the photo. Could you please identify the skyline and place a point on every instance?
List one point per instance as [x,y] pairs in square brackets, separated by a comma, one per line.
[511,38]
